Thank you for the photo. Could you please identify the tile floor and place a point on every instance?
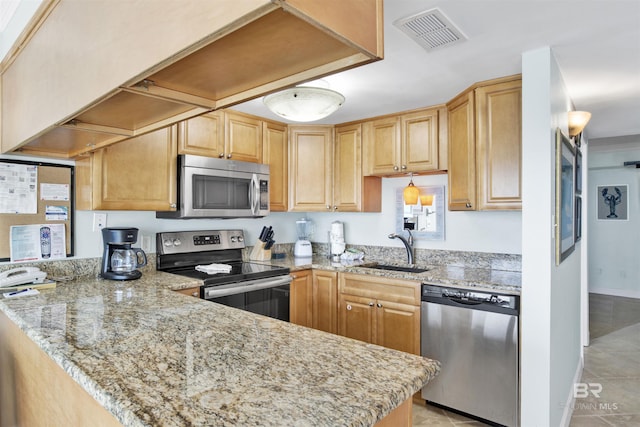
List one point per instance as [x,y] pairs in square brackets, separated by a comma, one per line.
[612,360]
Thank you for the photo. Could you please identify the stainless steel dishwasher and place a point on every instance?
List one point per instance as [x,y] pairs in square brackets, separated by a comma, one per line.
[475,337]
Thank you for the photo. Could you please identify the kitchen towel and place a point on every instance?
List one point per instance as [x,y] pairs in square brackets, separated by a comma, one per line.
[214,268]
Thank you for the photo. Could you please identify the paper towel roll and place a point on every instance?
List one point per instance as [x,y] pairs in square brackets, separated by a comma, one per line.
[337,229]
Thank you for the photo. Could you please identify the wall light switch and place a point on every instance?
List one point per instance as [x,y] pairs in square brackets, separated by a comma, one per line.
[99,221]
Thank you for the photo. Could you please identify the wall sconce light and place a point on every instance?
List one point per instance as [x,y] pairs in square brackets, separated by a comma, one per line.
[577,121]
[411,193]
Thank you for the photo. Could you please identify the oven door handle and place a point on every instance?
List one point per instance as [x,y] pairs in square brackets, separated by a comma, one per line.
[248,286]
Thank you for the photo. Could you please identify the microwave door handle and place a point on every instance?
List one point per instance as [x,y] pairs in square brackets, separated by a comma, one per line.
[254,194]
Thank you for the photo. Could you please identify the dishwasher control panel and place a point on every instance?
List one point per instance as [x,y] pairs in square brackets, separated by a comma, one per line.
[434,293]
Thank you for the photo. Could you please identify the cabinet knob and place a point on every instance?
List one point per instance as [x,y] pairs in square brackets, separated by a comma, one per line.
[468,205]
[173,206]
[195,294]
[293,276]
[349,307]
[370,304]
[404,167]
[335,208]
[328,207]
[379,305]
[221,155]
[229,156]
[395,168]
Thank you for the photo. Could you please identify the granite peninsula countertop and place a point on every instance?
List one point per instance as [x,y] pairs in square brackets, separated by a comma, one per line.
[154,357]
[480,279]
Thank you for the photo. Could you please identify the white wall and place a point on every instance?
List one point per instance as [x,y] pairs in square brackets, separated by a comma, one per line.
[614,249]
[550,317]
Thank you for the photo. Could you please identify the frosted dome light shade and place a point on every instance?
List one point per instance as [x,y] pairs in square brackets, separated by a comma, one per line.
[303,103]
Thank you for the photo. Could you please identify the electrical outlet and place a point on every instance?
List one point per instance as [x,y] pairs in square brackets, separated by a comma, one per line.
[99,221]
[146,243]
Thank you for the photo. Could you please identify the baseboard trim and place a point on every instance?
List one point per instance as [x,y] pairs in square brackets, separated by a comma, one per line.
[571,400]
[627,293]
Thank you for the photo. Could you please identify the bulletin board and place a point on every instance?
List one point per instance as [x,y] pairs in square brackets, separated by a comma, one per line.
[54,202]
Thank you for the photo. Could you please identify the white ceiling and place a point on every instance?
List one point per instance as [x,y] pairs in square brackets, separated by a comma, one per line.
[595,42]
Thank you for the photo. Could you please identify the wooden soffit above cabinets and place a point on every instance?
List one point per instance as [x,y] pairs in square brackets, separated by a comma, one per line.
[269,46]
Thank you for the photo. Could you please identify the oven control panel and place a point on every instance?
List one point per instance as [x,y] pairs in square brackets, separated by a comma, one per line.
[177,242]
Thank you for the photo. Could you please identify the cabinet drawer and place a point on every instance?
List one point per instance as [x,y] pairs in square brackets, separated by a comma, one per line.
[375,287]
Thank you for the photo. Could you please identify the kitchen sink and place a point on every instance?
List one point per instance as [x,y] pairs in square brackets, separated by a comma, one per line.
[398,268]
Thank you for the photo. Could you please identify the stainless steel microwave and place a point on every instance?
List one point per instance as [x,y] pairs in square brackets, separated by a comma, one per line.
[209,187]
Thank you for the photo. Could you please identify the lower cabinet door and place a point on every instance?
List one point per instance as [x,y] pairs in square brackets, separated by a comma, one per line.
[398,326]
[325,301]
[357,318]
[301,299]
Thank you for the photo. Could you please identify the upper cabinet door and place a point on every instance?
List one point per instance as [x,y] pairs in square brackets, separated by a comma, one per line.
[137,174]
[383,146]
[311,168]
[419,141]
[275,154]
[499,146]
[243,138]
[462,153]
[202,136]
[347,168]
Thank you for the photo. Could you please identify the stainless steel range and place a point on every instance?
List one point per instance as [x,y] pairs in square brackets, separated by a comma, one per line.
[258,288]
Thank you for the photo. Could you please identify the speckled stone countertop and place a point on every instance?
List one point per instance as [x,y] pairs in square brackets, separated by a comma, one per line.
[480,279]
[153,357]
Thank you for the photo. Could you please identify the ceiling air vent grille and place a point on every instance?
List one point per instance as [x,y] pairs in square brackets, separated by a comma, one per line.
[430,29]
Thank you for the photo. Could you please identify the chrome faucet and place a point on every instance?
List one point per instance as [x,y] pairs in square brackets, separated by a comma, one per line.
[408,244]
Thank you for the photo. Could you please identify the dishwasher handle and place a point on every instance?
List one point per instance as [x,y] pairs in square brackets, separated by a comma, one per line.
[464,301]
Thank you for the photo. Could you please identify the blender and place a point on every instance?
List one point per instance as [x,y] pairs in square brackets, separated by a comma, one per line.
[302,248]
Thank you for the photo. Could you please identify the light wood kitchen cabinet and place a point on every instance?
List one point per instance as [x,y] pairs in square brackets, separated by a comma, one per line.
[310,168]
[202,135]
[325,301]
[227,135]
[301,298]
[104,91]
[485,145]
[275,153]
[326,172]
[243,137]
[409,142]
[352,191]
[192,292]
[137,174]
[380,311]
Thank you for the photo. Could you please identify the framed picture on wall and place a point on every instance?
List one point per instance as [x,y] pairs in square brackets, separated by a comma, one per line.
[578,171]
[578,218]
[612,202]
[565,197]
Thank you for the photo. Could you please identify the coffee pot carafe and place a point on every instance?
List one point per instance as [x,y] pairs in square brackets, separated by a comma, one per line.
[119,259]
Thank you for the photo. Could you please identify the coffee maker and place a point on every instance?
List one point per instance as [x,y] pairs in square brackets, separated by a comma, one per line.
[119,259]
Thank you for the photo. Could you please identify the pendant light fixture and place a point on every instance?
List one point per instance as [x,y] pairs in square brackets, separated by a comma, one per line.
[411,193]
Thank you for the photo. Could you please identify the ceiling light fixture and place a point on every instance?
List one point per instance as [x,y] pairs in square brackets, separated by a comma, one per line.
[577,121]
[304,103]
[411,193]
